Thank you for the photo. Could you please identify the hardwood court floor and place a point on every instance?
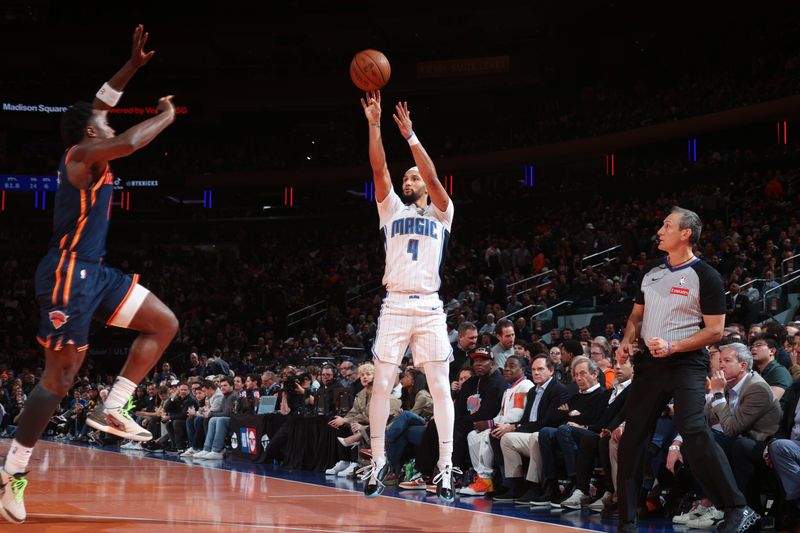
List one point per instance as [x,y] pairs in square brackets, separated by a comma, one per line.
[75,489]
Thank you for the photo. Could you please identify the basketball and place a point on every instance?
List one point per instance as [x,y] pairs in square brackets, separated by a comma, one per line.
[370,70]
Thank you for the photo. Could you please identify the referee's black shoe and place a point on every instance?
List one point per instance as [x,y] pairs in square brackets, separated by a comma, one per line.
[740,520]
[373,477]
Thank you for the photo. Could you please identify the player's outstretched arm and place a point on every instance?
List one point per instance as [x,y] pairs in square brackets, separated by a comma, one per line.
[423,161]
[377,157]
[128,142]
[111,91]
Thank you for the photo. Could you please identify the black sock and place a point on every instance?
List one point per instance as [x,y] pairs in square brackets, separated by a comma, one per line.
[39,407]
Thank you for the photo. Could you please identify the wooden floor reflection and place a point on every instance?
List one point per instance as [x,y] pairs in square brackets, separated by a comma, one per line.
[76,489]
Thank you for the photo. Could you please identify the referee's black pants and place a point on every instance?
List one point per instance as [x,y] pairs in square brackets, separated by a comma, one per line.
[652,387]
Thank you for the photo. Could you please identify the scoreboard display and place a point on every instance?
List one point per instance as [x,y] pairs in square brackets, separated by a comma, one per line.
[16,182]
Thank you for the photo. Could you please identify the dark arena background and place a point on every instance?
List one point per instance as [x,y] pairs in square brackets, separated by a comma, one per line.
[563,132]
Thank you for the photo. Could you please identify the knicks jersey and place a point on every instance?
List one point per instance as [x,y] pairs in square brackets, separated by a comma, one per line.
[415,241]
[80,217]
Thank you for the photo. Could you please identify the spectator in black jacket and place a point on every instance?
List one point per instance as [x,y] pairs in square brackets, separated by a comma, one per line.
[322,399]
[467,339]
[540,411]
[569,351]
[478,401]
[582,410]
[175,416]
[585,444]
[248,405]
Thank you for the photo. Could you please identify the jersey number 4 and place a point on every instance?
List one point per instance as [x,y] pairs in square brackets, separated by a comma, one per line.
[413,248]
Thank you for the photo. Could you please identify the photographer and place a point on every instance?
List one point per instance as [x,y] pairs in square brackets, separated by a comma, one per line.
[293,396]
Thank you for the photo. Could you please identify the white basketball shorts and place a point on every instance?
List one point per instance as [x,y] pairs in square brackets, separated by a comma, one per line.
[416,319]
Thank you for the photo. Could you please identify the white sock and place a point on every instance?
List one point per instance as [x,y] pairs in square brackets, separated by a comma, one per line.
[379,409]
[120,393]
[378,443]
[18,457]
[438,375]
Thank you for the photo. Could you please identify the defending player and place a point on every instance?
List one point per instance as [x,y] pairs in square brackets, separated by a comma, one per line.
[73,286]
[415,235]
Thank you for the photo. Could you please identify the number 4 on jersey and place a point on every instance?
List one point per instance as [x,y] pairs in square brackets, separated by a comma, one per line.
[413,248]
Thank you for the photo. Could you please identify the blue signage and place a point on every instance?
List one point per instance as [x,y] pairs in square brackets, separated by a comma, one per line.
[10,182]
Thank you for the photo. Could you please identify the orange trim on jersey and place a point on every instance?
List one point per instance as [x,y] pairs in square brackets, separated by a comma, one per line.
[68,282]
[124,300]
[63,240]
[69,151]
[102,181]
[45,344]
[82,348]
[53,299]
[58,346]
[81,221]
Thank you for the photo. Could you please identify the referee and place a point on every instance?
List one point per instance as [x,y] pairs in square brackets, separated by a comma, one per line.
[679,310]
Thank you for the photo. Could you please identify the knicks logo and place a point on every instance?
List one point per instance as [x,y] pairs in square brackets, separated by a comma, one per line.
[473,403]
[58,318]
[679,290]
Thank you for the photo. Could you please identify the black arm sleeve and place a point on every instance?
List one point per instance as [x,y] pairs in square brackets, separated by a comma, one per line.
[712,291]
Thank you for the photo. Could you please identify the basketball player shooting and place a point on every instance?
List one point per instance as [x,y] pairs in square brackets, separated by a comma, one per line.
[74,286]
[415,234]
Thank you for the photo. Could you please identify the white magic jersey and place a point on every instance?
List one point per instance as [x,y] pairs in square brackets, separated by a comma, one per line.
[415,242]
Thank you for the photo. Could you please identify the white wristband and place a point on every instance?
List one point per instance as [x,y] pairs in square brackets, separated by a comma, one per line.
[108,95]
[412,139]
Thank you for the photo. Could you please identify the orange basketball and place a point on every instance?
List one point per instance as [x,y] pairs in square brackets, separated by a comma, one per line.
[370,70]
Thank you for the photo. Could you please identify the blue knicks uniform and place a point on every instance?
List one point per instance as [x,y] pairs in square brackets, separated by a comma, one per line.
[72,283]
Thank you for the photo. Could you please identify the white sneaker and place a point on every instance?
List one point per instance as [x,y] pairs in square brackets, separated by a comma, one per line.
[600,503]
[697,510]
[710,519]
[200,455]
[213,456]
[136,447]
[12,489]
[338,467]
[126,446]
[575,500]
[349,471]
[189,452]
[118,422]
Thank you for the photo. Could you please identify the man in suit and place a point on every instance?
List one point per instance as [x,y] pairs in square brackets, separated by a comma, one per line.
[742,402]
[540,411]
[580,446]
[582,410]
[784,455]
[742,413]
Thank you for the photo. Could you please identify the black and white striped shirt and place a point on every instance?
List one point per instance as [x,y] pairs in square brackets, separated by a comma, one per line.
[675,299]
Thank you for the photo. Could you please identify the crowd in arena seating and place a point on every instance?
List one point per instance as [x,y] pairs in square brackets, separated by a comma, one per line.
[235,345]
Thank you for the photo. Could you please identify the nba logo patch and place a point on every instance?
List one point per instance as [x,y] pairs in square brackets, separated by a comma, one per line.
[683,280]
[58,318]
